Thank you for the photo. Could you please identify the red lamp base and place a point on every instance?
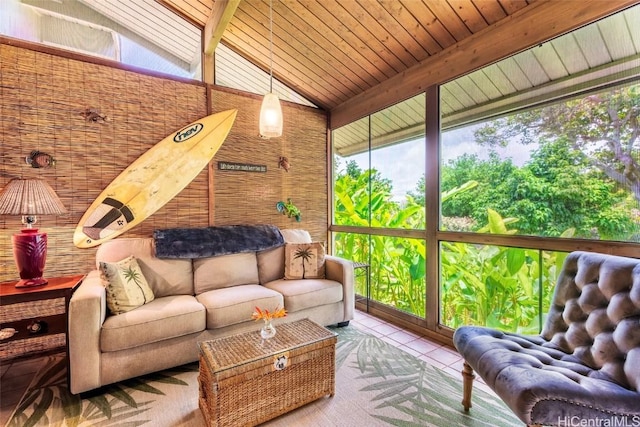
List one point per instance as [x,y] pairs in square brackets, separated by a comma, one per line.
[30,254]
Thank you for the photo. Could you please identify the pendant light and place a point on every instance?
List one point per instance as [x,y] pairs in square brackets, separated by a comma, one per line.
[270,112]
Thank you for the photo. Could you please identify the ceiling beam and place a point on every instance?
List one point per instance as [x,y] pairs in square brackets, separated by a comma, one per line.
[539,22]
[221,14]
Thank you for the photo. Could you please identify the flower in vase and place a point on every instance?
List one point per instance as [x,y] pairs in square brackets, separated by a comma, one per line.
[267,315]
[268,331]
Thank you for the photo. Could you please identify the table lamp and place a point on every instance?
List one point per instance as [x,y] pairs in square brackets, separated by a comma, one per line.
[30,197]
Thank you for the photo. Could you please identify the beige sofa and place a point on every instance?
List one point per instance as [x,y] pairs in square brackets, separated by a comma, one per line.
[195,300]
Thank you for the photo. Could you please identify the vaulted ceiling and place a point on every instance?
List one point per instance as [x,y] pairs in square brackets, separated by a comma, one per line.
[353,57]
[331,50]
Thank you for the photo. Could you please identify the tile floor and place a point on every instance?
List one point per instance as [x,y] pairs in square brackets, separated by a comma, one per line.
[16,377]
[432,352]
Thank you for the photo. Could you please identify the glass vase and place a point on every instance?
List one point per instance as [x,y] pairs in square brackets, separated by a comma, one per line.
[268,330]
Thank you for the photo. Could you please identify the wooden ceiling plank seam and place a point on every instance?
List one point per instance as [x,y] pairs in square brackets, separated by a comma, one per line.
[282,60]
[469,15]
[362,24]
[512,6]
[490,10]
[388,23]
[541,21]
[305,46]
[336,59]
[444,12]
[429,22]
[192,16]
[203,7]
[221,15]
[320,89]
[343,30]
[348,55]
[412,26]
[195,11]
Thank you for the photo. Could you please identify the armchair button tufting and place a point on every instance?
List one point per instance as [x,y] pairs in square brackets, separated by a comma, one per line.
[583,357]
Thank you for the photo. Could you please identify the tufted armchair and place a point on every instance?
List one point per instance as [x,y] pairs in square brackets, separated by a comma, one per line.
[584,368]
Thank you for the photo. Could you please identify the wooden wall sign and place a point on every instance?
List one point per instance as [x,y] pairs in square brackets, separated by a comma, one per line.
[241,167]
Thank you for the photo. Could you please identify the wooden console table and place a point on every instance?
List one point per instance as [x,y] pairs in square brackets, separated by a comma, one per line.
[34,320]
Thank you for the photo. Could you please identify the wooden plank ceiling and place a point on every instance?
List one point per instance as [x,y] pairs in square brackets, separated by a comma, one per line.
[332,50]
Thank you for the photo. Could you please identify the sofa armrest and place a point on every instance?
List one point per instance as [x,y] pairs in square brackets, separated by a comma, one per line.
[87,312]
[341,270]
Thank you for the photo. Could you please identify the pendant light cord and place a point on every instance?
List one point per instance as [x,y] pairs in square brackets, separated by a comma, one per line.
[271,46]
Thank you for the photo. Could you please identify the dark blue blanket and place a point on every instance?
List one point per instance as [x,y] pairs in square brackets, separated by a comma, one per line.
[214,241]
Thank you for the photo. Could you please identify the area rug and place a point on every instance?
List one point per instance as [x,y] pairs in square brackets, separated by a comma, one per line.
[377,384]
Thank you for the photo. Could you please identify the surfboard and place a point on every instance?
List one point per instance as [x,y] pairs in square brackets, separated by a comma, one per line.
[153,179]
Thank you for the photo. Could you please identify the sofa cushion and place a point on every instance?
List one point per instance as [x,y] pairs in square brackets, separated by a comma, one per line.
[126,286]
[271,261]
[295,235]
[225,271]
[228,306]
[161,319]
[270,264]
[306,293]
[304,261]
[165,276]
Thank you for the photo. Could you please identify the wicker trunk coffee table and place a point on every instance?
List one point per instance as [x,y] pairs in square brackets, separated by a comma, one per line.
[245,381]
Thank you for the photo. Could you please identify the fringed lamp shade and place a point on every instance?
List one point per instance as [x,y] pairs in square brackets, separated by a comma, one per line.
[30,197]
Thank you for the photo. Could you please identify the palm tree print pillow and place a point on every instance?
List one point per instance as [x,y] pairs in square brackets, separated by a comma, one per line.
[125,285]
[304,261]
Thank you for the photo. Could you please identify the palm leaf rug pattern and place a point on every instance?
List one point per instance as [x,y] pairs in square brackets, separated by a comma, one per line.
[48,401]
[397,390]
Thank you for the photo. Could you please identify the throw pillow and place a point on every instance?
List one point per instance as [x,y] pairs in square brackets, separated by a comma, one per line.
[304,260]
[126,287]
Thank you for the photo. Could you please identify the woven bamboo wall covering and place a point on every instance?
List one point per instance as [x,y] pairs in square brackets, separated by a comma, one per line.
[42,99]
[251,197]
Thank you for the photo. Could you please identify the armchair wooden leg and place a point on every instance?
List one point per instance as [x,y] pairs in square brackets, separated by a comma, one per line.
[467,384]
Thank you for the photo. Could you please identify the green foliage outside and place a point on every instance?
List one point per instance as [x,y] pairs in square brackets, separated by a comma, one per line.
[482,285]
[580,182]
